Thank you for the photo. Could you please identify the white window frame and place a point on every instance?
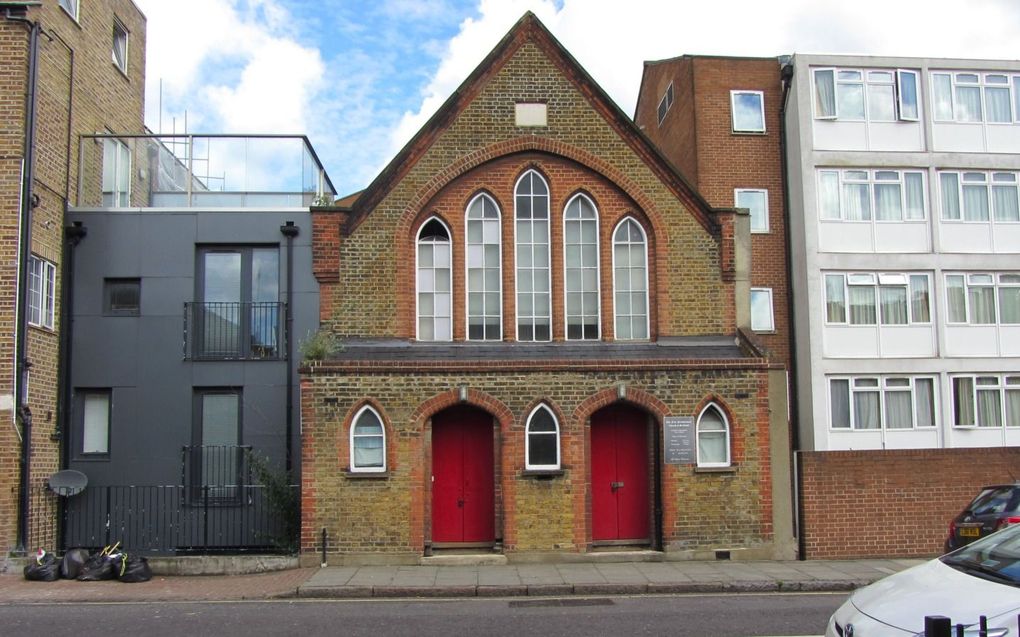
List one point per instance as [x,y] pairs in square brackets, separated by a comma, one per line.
[990,180]
[877,281]
[872,179]
[42,277]
[771,326]
[482,199]
[727,435]
[598,273]
[902,112]
[417,283]
[70,7]
[665,103]
[883,385]
[534,318]
[116,173]
[528,465]
[994,281]
[734,94]
[960,79]
[763,225]
[354,468]
[617,290]
[119,53]
[91,445]
[1001,384]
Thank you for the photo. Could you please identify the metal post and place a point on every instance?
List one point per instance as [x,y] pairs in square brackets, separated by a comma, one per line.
[324,536]
[937,626]
[982,626]
[205,516]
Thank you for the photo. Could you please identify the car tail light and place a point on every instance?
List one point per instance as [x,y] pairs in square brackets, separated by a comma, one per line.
[952,528]
[1003,522]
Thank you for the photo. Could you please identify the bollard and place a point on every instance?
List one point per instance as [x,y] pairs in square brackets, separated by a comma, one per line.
[983,626]
[937,626]
[324,536]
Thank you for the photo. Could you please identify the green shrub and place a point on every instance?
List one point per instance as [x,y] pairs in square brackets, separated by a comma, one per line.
[319,345]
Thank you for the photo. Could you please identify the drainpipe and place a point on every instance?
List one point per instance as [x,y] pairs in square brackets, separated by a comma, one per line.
[73,234]
[290,231]
[29,200]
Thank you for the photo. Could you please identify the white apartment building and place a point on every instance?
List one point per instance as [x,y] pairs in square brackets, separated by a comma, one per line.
[905,251]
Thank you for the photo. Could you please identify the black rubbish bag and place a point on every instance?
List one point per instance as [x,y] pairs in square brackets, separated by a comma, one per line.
[44,568]
[71,565]
[96,568]
[133,569]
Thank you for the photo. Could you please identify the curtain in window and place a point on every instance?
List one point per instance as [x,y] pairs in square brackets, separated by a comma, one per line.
[835,299]
[367,441]
[1009,306]
[887,202]
[982,305]
[1013,407]
[963,401]
[1004,202]
[894,305]
[989,408]
[942,95]
[580,226]
[975,203]
[629,279]
[862,305]
[712,438]
[950,183]
[484,280]
[434,283]
[856,202]
[825,93]
[924,397]
[828,195]
[897,410]
[867,410]
[957,299]
[968,103]
[532,244]
[919,300]
[997,104]
[839,399]
[914,183]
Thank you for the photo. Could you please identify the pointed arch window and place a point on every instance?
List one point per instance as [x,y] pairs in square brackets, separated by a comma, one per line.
[368,442]
[542,450]
[630,281]
[713,438]
[581,269]
[484,275]
[433,282]
[534,298]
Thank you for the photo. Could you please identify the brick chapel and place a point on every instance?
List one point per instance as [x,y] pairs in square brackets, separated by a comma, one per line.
[544,342]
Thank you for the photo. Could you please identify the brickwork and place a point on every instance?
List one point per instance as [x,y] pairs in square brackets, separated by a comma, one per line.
[79,91]
[859,504]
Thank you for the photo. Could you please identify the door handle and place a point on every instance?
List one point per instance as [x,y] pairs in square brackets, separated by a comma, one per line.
[615,485]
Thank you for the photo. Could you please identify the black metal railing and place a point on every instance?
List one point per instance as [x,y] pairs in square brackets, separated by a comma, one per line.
[235,331]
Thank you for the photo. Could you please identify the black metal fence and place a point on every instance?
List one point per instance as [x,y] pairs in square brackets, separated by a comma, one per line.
[232,331]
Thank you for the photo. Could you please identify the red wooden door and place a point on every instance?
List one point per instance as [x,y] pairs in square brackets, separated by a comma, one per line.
[463,493]
[619,475]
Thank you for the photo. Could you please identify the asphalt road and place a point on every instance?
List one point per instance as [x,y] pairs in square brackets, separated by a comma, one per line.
[730,615]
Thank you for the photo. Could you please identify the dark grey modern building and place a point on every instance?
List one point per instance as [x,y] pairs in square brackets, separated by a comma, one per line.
[190,290]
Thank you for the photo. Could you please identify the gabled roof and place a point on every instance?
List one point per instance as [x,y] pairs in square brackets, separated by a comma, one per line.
[530,29]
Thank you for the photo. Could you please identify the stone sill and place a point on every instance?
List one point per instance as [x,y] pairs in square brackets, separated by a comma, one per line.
[366,475]
[542,474]
[729,469]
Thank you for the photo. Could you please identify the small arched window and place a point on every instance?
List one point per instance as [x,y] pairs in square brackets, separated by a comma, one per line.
[542,450]
[434,282]
[368,441]
[713,438]
[581,269]
[484,274]
[630,280]
[531,233]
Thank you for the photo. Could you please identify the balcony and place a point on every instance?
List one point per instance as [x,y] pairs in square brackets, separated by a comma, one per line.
[235,331]
[200,171]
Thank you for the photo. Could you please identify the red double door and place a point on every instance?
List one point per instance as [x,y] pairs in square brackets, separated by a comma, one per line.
[619,475]
[463,494]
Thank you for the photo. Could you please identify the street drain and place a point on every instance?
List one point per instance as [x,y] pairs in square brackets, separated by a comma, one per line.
[550,603]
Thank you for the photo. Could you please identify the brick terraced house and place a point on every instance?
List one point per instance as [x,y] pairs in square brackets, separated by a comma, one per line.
[545,342]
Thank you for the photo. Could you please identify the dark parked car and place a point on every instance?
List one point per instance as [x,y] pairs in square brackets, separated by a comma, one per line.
[997,506]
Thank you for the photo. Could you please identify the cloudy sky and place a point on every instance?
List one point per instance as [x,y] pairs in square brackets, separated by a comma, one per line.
[359,77]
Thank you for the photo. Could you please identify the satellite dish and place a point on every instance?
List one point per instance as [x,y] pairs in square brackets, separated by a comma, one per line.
[68,482]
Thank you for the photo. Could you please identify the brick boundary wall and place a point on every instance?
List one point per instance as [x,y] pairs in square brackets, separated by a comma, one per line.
[894,503]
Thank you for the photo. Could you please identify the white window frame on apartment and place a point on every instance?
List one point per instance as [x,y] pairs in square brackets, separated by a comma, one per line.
[626,279]
[953,94]
[875,392]
[874,86]
[529,434]
[529,272]
[665,103]
[483,260]
[584,290]
[42,277]
[71,7]
[850,185]
[735,95]
[761,322]
[360,467]
[120,46]
[979,196]
[982,298]
[434,289]
[985,401]
[882,289]
[759,213]
[116,173]
[704,433]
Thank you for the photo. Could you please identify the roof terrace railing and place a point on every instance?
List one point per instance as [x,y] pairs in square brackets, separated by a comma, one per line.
[200,171]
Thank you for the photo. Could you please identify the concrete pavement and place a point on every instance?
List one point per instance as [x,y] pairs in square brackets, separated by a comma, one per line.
[349,582]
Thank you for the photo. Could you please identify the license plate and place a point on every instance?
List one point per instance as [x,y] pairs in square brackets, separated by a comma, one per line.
[972,532]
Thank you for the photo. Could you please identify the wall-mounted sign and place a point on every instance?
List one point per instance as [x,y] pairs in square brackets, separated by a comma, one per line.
[678,439]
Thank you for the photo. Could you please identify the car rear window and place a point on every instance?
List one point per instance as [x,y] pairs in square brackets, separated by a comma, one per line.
[996,500]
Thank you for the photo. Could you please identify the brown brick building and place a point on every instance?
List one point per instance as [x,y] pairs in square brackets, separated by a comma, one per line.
[544,342]
[65,70]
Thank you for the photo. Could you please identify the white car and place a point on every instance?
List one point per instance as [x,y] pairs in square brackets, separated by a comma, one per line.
[982,578]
